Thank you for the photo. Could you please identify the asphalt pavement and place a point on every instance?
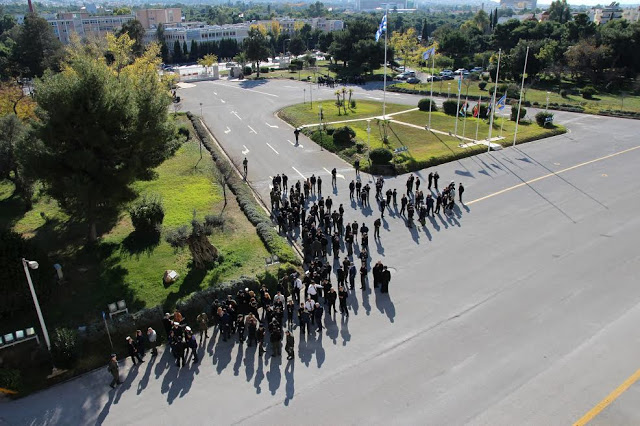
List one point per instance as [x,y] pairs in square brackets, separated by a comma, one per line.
[520,308]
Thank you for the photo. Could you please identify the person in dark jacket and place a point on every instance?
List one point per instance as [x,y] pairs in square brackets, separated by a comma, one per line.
[140,342]
[260,336]
[133,351]
[179,352]
[386,278]
[113,368]
[193,345]
[317,313]
[289,345]
[276,339]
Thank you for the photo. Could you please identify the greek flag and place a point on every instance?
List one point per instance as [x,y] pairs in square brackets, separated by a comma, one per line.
[382,28]
[429,53]
[502,102]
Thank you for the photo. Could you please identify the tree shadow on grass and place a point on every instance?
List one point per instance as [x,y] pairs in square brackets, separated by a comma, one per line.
[191,283]
[137,243]
[12,209]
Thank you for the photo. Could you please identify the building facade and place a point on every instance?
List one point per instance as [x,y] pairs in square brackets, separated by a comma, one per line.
[200,33]
[150,18]
[603,15]
[85,25]
[289,25]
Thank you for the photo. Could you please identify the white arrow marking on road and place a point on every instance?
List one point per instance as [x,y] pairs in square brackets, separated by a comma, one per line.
[337,174]
[252,129]
[223,101]
[299,146]
[274,150]
[273,127]
[236,114]
[228,130]
[298,172]
[246,150]
[215,93]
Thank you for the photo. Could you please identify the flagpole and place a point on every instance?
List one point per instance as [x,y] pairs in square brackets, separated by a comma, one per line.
[466,100]
[493,106]
[458,105]
[384,87]
[515,135]
[433,65]
[478,117]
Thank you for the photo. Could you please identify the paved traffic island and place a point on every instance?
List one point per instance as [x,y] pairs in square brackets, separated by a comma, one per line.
[413,144]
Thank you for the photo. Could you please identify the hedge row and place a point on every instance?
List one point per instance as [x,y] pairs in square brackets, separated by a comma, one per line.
[619,113]
[275,243]
[444,94]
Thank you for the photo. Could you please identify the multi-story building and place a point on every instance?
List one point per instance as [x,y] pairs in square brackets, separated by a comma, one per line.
[200,33]
[631,15]
[84,25]
[519,4]
[609,13]
[150,18]
[289,25]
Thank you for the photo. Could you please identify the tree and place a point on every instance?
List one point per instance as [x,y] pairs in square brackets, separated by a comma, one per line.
[99,129]
[297,46]
[207,61]
[405,43]
[177,52]
[135,31]
[193,53]
[164,49]
[185,50]
[203,253]
[316,10]
[12,165]
[424,32]
[481,21]
[585,58]
[256,47]
[36,48]
[559,11]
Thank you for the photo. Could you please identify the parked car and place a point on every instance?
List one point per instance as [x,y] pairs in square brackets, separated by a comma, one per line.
[461,71]
[446,72]
[434,78]
[477,69]
[413,80]
[447,77]
[406,74]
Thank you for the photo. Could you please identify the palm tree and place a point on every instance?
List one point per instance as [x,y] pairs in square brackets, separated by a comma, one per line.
[338,100]
[344,98]
[350,95]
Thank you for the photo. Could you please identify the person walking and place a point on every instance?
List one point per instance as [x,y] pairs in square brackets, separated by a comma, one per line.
[192,344]
[245,162]
[460,191]
[152,337]
[430,179]
[289,345]
[386,278]
[140,342]
[376,228]
[133,351]
[342,296]
[403,202]
[203,324]
[296,133]
[113,369]
[260,337]
[356,165]
[352,187]
[179,352]
[334,175]
[436,176]
[317,312]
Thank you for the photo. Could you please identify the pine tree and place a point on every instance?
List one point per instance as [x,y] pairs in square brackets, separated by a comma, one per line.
[185,50]
[425,31]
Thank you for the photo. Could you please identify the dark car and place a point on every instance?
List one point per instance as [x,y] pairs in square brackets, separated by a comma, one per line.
[413,80]
[447,77]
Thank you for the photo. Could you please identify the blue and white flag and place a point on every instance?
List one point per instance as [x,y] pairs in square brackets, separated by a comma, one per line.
[429,53]
[382,28]
[502,102]
[460,84]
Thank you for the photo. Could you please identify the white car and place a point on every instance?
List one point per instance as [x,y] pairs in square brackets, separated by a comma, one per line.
[446,72]
[477,69]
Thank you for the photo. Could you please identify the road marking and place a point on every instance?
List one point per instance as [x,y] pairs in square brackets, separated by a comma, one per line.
[291,87]
[236,114]
[608,400]
[298,171]
[252,129]
[373,97]
[246,150]
[273,127]
[249,90]
[215,93]
[274,150]
[299,146]
[270,180]
[553,174]
[223,101]
[228,130]
[337,174]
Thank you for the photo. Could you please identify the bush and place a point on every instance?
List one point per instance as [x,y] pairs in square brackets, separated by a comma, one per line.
[264,70]
[64,347]
[184,131]
[564,93]
[542,116]
[247,71]
[450,107]
[343,135]
[10,379]
[588,92]
[423,104]
[482,85]
[514,113]
[512,90]
[147,214]
[380,156]
[297,64]
[353,103]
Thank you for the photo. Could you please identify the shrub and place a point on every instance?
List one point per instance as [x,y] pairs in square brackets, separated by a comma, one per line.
[564,93]
[380,156]
[588,92]
[184,131]
[514,113]
[353,103]
[450,107]
[512,90]
[482,85]
[343,135]
[542,116]
[147,214]
[10,379]
[264,70]
[64,347]
[247,71]
[423,104]
[297,65]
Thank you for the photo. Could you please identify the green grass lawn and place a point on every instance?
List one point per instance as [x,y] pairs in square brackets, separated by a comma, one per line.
[300,114]
[600,101]
[122,265]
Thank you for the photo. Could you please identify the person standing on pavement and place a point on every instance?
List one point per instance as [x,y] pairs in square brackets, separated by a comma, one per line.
[245,162]
[376,228]
[342,296]
[140,342]
[319,183]
[352,187]
[436,176]
[289,345]
[133,351]
[356,165]
[203,324]
[192,343]
[403,202]
[152,336]
[179,352]
[460,191]
[334,175]
[430,180]
[296,133]
[113,369]
[386,278]
[317,312]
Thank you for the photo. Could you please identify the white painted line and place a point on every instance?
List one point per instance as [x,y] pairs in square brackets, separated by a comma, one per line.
[273,127]
[298,172]
[291,87]
[293,144]
[236,114]
[337,174]
[215,93]
[228,130]
[274,150]
[252,129]
[246,150]
[374,98]
[223,101]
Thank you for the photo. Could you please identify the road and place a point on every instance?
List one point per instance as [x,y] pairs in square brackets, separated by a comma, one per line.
[520,308]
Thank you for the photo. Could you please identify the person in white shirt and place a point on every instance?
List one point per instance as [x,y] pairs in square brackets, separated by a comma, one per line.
[297,287]
[152,336]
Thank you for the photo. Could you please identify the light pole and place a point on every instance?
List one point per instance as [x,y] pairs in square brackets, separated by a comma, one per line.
[547,107]
[32,264]
[320,120]
[448,90]
[368,136]
[304,96]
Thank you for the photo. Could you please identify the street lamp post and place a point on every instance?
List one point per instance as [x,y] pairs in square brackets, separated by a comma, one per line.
[448,90]
[547,107]
[320,120]
[32,264]
[368,135]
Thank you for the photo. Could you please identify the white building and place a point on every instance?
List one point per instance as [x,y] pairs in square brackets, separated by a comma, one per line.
[200,33]
[631,15]
[289,25]
[84,25]
[603,15]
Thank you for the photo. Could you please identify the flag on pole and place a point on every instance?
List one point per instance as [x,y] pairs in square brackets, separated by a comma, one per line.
[476,110]
[460,84]
[463,109]
[502,102]
[382,28]
[429,53]
[489,108]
